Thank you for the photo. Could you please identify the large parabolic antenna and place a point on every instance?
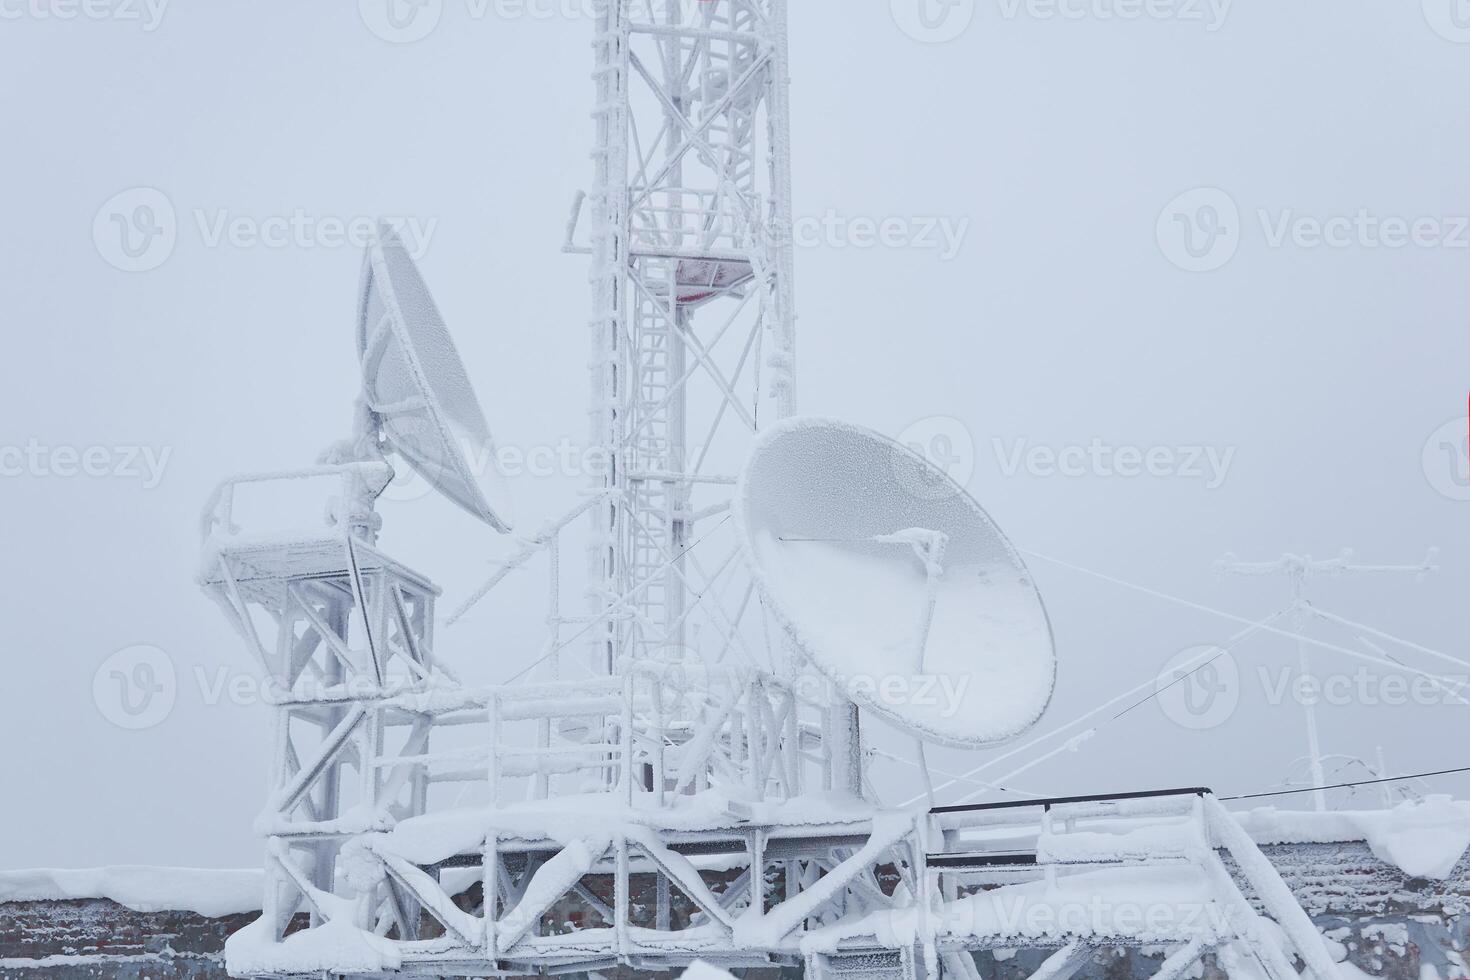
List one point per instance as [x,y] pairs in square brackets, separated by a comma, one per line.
[889,577]
[416,386]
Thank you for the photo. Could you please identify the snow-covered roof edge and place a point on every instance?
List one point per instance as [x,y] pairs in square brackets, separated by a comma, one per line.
[211,893]
[1423,839]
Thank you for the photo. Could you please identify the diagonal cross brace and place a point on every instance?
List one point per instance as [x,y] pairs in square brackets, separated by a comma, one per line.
[1065,962]
[288,796]
[765,930]
[550,882]
[1274,894]
[1177,962]
[677,868]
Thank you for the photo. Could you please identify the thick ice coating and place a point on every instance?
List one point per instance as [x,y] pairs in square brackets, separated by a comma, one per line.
[414,380]
[889,577]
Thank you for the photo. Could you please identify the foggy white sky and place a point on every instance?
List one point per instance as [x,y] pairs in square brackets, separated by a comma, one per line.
[1060,319]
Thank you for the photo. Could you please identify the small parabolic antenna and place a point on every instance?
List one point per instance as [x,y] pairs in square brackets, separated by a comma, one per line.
[894,583]
[416,387]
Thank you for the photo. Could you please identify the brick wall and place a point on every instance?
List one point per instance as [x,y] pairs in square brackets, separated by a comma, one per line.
[95,938]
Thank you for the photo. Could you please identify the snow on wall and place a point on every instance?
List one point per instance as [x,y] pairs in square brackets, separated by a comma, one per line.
[1424,839]
[96,938]
[700,970]
[142,889]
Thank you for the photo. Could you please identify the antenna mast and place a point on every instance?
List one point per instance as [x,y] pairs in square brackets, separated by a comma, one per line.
[1297,570]
[692,293]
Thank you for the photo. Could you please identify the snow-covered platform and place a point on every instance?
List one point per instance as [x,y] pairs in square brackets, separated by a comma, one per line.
[839,887]
[1387,891]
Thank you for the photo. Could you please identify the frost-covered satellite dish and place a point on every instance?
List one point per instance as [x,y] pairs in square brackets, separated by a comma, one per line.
[416,386]
[889,577]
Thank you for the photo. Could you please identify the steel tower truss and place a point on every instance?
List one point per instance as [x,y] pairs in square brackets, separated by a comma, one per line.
[662,799]
[693,323]
[344,636]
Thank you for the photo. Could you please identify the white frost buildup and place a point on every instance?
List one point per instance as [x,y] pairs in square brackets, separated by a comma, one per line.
[894,582]
[207,893]
[1146,841]
[700,970]
[552,880]
[1167,905]
[335,946]
[1423,840]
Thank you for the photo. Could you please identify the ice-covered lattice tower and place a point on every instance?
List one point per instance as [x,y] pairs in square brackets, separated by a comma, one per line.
[693,329]
[660,784]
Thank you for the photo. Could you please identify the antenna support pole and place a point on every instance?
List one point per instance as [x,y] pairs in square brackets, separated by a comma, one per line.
[1298,569]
